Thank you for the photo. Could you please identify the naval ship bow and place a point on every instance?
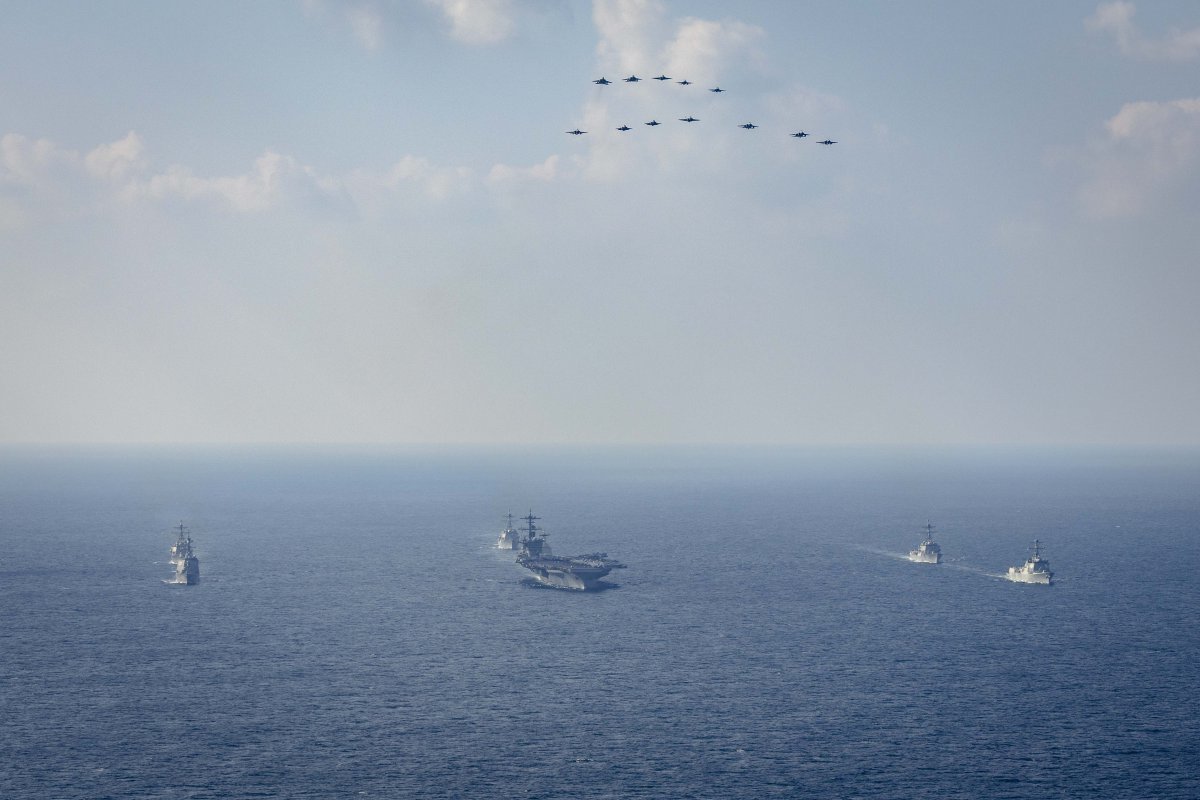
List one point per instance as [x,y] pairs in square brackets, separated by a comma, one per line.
[184,560]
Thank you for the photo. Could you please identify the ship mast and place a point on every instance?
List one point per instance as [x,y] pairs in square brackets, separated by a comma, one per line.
[534,538]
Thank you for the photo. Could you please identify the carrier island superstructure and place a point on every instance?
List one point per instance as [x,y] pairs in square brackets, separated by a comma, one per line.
[580,573]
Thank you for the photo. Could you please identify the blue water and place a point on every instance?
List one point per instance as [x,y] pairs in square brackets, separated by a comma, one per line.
[357,635]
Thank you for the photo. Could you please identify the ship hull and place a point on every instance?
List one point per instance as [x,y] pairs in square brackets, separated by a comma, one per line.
[187,572]
[1020,576]
[507,542]
[924,558]
[576,580]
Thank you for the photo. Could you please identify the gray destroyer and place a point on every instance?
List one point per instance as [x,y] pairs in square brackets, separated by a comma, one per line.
[580,573]
[1035,569]
[510,538]
[184,560]
[927,551]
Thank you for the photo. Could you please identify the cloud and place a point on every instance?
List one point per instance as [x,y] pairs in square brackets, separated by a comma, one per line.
[704,48]
[478,21]
[635,35]
[371,189]
[1117,18]
[1151,150]
[25,161]
[628,31]
[117,159]
[41,180]
[256,190]
[544,172]
[367,25]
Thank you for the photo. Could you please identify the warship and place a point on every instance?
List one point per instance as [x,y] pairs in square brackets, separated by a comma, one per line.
[185,562]
[927,551]
[510,538]
[1035,570]
[580,573]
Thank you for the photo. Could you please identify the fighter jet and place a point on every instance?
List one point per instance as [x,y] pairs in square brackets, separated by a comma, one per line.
[632,79]
[827,142]
[717,89]
[684,83]
[688,119]
[603,82]
[653,122]
[748,126]
[577,132]
[624,128]
[800,135]
[662,78]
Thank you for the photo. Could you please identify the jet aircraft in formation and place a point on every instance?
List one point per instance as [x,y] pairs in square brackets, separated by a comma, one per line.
[602,81]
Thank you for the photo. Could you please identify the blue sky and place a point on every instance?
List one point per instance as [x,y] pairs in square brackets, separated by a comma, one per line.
[355,221]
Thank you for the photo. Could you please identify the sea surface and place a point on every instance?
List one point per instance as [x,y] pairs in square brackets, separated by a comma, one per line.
[356,634]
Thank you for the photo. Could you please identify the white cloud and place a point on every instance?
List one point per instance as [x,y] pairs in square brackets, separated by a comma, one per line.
[477,21]
[544,172]
[371,189]
[1117,18]
[25,161]
[39,179]
[256,190]
[628,32]
[703,49]
[367,25]
[117,159]
[1151,151]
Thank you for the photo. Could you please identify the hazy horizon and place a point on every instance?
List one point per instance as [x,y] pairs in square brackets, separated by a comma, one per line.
[353,222]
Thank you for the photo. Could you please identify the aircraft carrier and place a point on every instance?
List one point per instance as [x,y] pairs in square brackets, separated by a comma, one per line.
[580,573]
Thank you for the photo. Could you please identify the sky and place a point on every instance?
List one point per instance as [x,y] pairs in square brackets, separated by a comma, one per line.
[362,221]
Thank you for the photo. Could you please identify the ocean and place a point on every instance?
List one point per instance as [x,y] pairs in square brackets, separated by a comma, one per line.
[356,634]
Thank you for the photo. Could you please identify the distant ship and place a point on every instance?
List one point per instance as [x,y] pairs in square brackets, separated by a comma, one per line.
[580,573]
[510,538]
[1035,570]
[927,551]
[185,562]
